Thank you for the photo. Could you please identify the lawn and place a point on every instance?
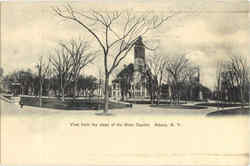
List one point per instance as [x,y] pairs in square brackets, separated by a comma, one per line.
[180,106]
[221,104]
[230,112]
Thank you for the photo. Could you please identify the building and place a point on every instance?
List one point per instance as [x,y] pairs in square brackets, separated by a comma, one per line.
[131,81]
[134,81]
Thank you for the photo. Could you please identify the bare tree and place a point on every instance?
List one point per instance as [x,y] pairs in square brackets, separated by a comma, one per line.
[62,64]
[179,70]
[157,63]
[237,68]
[80,57]
[50,75]
[43,71]
[116,33]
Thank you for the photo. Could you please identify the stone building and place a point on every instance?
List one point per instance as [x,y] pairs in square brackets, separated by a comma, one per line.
[130,82]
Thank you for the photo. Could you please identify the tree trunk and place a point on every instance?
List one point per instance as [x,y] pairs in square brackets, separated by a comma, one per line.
[75,90]
[159,94]
[62,94]
[151,98]
[33,91]
[157,97]
[106,97]
[40,95]
[78,92]
[55,92]
[178,95]
[242,97]
[122,94]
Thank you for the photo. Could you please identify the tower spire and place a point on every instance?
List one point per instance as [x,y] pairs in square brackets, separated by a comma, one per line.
[139,59]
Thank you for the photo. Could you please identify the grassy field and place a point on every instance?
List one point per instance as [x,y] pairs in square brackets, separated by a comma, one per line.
[214,104]
[230,112]
[180,106]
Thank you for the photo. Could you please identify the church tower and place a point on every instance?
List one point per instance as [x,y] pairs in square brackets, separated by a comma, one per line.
[139,59]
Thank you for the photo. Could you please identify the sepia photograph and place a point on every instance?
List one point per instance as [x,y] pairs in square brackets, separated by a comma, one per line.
[125,82]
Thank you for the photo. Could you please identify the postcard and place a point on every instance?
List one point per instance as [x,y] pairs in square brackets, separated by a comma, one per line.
[126,83]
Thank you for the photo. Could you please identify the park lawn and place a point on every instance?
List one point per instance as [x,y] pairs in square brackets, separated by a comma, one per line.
[221,104]
[230,112]
[180,106]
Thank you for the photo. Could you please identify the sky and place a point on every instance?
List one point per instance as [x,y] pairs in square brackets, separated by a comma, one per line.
[205,31]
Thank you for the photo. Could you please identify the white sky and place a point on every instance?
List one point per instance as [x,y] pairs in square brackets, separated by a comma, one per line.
[29,30]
